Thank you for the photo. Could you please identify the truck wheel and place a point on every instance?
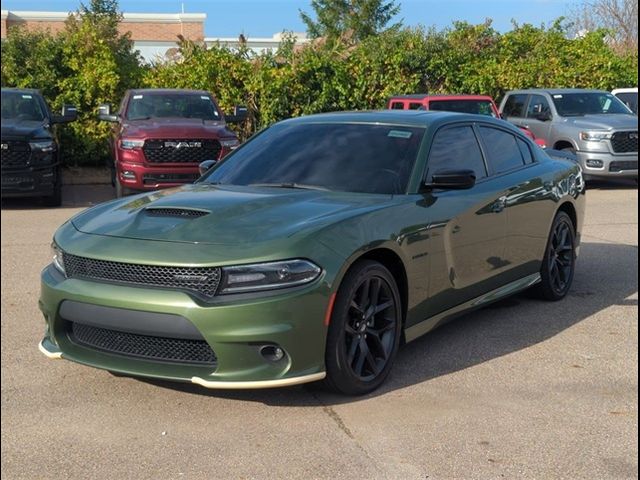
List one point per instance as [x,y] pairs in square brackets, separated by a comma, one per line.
[55,200]
[121,191]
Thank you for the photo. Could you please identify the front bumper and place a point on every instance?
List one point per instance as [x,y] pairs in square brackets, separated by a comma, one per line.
[610,165]
[235,329]
[142,177]
[29,181]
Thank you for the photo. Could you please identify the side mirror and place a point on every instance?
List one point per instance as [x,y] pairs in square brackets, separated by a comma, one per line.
[205,166]
[69,114]
[543,116]
[239,115]
[452,180]
[104,113]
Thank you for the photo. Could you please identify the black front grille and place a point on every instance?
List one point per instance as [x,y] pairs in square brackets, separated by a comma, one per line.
[165,349]
[622,165]
[15,154]
[175,212]
[158,178]
[201,280]
[181,151]
[625,142]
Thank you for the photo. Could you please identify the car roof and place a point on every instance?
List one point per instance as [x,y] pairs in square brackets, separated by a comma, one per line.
[21,90]
[440,96]
[409,118]
[140,91]
[556,91]
[625,90]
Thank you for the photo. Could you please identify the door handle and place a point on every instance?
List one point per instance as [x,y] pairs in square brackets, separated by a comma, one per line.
[499,205]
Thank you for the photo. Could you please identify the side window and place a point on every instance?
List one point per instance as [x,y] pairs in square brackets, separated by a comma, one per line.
[514,106]
[456,148]
[397,106]
[525,151]
[538,105]
[502,150]
[415,106]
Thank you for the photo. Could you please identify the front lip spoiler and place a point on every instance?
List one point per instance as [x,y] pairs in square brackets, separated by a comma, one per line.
[281,382]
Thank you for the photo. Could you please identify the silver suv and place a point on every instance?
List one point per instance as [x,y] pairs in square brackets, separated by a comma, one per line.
[593,124]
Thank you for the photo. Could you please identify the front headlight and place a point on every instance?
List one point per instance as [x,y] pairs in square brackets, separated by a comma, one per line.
[231,143]
[43,145]
[268,276]
[58,259]
[130,144]
[595,136]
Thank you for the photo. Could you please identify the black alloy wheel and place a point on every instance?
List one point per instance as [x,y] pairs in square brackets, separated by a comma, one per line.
[558,266]
[365,329]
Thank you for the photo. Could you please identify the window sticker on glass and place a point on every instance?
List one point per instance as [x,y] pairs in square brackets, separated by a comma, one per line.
[137,97]
[557,96]
[399,134]
[27,96]
[204,97]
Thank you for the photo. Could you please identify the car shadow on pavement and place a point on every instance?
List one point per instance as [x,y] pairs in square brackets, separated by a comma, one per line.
[613,184]
[606,276]
[73,196]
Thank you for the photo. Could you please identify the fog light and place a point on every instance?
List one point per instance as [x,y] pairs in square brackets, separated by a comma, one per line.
[595,163]
[128,174]
[273,353]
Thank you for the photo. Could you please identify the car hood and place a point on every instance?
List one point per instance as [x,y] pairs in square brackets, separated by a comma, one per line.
[176,128]
[24,129]
[223,215]
[619,121]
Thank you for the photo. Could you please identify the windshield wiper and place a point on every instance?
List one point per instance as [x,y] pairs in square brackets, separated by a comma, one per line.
[300,186]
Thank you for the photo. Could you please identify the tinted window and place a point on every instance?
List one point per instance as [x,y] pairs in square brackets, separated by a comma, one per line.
[397,106]
[456,148]
[538,105]
[171,105]
[502,150]
[514,106]
[364,158]
[478,107]
[525,151]
[22,106]
[587,103]
[629,99]
[415,106]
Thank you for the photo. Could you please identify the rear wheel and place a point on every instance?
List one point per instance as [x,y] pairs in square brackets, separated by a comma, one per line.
[365,328]
[558,264]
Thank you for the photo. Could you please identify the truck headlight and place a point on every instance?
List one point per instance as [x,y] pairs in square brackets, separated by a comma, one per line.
[130,144]
[43,145]
[231,143]
[58,259]
[595,136]
[268,276]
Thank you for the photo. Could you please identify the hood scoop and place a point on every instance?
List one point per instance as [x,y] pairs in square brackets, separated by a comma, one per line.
[175,212]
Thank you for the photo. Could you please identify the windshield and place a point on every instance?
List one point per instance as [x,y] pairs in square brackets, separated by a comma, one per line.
[175,105]
[587,103]
[478,107]
[365,158]
[22,106]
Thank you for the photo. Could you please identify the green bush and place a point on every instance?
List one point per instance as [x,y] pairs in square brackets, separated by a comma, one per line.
[90,63]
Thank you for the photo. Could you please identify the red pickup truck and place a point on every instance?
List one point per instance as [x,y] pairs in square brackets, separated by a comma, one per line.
[160,137]
[476,104]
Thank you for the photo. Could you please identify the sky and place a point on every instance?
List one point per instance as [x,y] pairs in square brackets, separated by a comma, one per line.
[263,18]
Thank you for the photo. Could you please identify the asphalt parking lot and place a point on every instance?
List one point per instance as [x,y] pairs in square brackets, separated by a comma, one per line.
[523,389]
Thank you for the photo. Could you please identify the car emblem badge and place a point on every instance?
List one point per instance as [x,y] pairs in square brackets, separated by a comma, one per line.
[5,146]
[183,144]
[633,136]
[190,278]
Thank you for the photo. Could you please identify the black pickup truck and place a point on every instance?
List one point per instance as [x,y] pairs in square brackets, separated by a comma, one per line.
[30,150]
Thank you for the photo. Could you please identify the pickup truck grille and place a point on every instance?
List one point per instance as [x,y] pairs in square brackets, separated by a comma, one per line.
[16,154]
[181,150]
[625,142]
[200,280]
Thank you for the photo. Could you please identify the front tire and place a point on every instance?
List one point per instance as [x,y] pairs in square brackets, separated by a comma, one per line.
[559,262]
[55,199]
[364,333]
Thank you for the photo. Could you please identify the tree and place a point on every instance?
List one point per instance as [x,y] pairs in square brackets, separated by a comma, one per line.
[618,17]
[358,19]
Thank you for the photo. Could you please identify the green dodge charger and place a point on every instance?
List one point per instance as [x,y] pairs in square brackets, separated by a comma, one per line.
[313,252]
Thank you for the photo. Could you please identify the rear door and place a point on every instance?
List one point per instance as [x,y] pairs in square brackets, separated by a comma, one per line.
[517,178]
[469,226]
